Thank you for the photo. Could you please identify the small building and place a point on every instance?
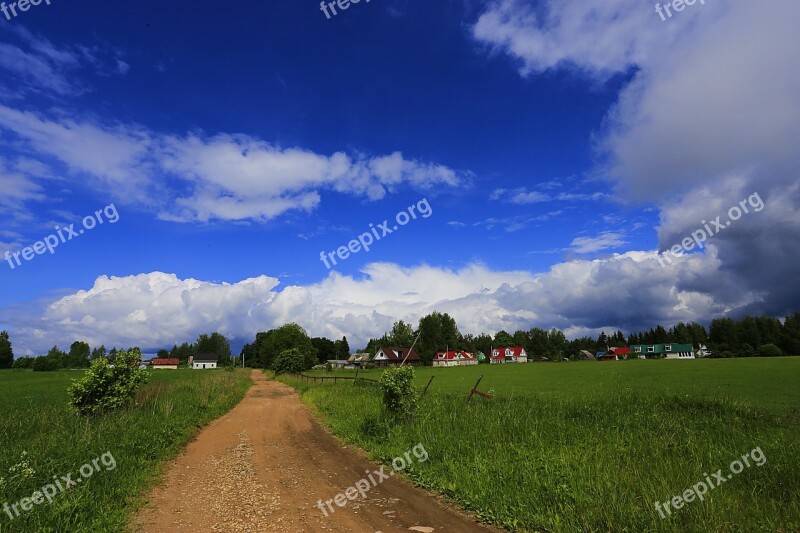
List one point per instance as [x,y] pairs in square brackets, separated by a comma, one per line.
[165,363]
[663,351]
[337,363]
[203,361]
[702,351]
[512,354]
[586,355]
[358,360]
[454,358]
[614,353]
[395,356]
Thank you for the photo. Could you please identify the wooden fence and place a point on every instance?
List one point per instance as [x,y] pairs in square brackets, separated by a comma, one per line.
[354,379]
[335,379]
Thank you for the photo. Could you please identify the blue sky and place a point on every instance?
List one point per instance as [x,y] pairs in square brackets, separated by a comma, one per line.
[559,145]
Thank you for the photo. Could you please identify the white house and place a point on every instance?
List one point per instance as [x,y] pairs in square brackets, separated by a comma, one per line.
[454,358]
[203,361]
[512,354]
[395,356]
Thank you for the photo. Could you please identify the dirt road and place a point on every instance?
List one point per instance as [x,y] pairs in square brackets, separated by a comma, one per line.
[266,464]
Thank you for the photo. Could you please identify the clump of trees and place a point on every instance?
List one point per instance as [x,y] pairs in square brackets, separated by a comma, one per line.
[269,350]
[214,343]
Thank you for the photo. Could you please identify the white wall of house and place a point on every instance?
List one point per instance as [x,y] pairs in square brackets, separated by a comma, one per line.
[165,367]
[200,365]
[680,355]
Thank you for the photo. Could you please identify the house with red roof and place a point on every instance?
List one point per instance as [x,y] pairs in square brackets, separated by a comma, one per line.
[395,357]
[165,363]
[614,354]
[512,354]
[454,358]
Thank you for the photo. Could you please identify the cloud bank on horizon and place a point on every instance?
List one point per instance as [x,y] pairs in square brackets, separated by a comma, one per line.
[707,113]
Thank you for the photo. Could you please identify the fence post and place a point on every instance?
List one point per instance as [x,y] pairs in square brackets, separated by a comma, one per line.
[426,387]
[473,388]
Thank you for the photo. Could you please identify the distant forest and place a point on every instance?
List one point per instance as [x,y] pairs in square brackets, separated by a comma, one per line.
[725,337]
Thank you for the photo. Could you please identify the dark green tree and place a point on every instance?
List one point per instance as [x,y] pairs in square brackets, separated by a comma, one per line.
[293,360]
[99,353]
[437,332]
[402,335]
[502,339]
[342,349]
[285,338]
[182,352]
[6,351]
[78,356]
[326,349]
[215,344]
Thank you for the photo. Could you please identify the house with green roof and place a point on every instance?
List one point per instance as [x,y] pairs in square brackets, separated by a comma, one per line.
[662,351]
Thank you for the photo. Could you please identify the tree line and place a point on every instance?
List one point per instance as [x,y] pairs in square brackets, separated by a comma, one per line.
[725,337]
[80,354]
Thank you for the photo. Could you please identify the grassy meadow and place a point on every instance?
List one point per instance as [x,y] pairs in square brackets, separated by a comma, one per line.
[37,421]
[585,446]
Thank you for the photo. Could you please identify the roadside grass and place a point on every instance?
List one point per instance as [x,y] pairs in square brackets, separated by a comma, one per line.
[597,458]
[36,419]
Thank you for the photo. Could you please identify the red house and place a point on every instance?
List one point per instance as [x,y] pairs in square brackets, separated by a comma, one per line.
[512,354]
[454,358]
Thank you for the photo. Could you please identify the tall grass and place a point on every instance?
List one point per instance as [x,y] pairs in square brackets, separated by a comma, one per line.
[165,415]
[597,461]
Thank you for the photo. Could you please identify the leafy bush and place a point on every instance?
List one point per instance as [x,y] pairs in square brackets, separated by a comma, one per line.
[23,362]
[770,350]
[292,361]
[399,394]
[105,388]
[45,363]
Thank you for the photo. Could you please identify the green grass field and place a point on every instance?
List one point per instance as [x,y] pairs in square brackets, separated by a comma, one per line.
[592,446]
[36,420]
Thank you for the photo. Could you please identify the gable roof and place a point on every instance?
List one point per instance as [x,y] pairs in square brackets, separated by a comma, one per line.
[165,361]
[516,351]
[453,354]
[398,354]
[619,350]
[206,358]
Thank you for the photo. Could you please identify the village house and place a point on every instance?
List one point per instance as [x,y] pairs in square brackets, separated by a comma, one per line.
[454,358]
[586,355]
[203,361]
[614,354]
[357,361]
[663,351]
[512,354]
[165,363]
[395,356]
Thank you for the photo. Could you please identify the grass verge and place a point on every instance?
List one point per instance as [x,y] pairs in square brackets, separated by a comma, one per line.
[37,421]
